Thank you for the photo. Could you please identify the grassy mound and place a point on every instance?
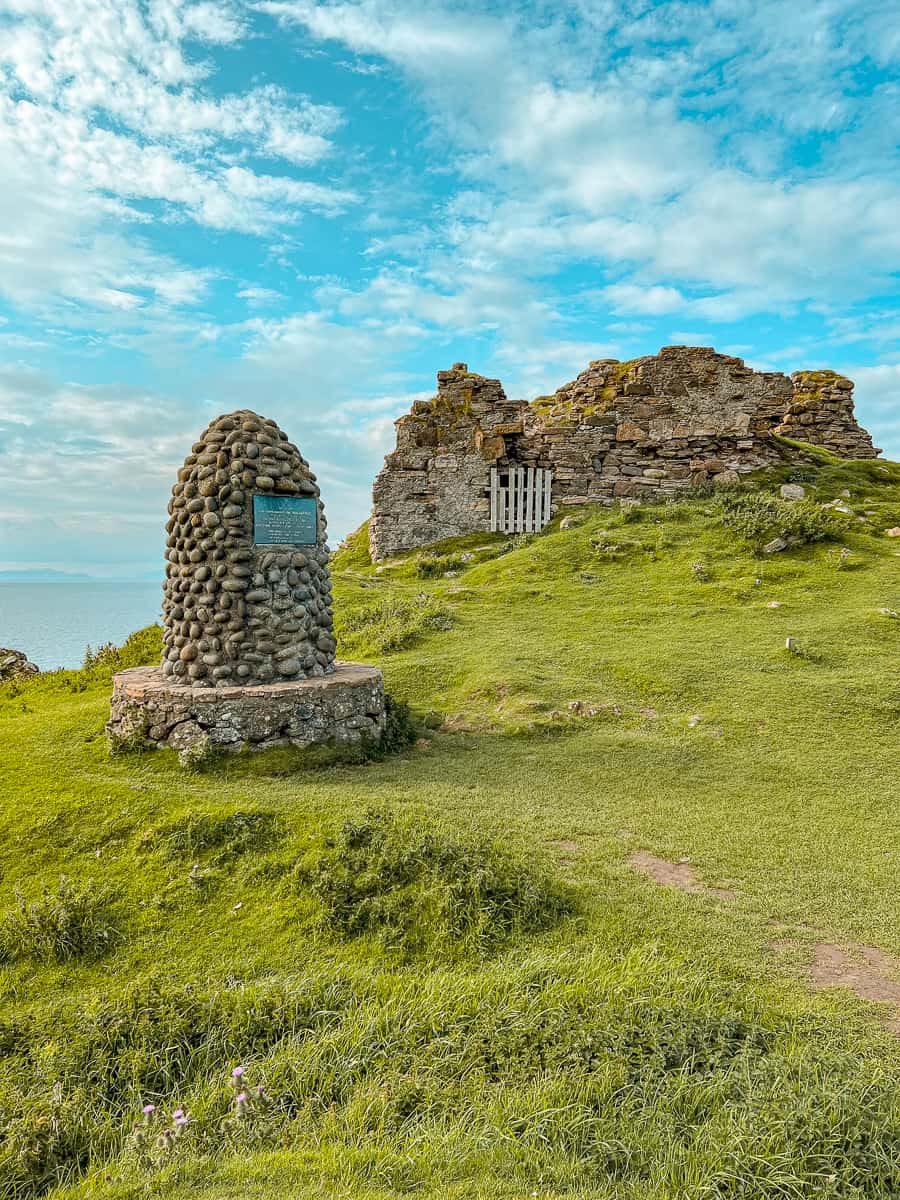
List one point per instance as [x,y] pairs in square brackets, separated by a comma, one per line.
[423,892]
[439,972]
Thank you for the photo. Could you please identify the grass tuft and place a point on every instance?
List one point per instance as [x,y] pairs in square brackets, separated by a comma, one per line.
[73,922]
[422,892]
[229,835]
[435,566]
[758,517]
[389,623]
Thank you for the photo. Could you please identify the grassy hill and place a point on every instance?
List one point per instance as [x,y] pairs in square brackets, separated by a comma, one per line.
[563,945]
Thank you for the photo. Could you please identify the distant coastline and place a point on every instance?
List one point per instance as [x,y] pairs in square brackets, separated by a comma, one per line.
[47,575]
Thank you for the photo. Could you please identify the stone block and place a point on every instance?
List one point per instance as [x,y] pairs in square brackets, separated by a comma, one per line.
[628,431]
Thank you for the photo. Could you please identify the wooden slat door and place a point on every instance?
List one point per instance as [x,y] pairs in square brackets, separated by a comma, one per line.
[520,499]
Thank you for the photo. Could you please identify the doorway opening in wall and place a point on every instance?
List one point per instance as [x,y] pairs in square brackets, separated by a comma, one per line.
[520,499]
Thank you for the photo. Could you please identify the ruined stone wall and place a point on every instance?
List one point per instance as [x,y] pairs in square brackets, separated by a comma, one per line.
[654,426]
[821,412]
[434,485]
[659,425]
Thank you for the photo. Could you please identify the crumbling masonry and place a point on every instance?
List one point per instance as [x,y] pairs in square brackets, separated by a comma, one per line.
[655,426]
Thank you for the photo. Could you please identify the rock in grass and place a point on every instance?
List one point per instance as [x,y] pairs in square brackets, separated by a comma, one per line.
[895,532]
[775,546]
[15,665]
[793,491]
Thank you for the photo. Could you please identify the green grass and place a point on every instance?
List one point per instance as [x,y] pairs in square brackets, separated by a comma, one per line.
[479,997]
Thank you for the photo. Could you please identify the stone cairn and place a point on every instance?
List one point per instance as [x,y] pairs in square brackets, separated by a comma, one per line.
[249,652]
[235,612]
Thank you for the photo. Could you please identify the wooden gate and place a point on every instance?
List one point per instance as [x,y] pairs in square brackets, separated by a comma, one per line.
[520,499]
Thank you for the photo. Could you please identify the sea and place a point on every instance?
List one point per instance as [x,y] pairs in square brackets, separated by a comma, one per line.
[54,623]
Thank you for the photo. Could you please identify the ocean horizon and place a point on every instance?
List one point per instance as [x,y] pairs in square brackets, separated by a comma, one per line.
[54,622]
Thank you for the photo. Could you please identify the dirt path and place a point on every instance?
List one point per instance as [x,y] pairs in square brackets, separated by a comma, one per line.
[680,875]
[866,971]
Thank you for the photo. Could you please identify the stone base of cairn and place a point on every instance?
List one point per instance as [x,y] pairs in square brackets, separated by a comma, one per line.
[343,708]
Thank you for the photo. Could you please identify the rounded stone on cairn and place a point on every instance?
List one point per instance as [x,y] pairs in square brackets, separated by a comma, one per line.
[240,606]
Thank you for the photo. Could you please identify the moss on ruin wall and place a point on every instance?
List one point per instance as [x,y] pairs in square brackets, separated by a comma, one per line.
[810,388]
[563,408]
[440,415]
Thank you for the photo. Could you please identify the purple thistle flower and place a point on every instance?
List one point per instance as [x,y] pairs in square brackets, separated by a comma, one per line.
[149,1110]
[260,1090]
[237,1073]
[241,1098]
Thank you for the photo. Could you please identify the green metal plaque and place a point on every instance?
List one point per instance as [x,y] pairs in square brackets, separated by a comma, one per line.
[285,520]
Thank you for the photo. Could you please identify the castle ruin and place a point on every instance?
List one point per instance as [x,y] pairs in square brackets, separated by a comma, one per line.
[652,427]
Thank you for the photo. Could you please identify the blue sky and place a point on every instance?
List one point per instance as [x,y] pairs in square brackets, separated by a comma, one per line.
[308,209]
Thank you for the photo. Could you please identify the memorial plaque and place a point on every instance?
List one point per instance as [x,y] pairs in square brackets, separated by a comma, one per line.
[285,520]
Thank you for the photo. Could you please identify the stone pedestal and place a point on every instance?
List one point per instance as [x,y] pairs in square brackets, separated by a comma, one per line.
[151,711]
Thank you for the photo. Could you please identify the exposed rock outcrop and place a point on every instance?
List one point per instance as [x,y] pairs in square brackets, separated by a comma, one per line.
[654,426]
[15,665]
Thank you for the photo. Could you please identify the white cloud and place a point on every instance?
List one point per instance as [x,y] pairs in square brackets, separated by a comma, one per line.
[259,297]
[210,22]
[877,398]
[56,244]
[681,337]
[416,39]
[442,298]
[106,108]
[98,160]
[593,144]
[650,301]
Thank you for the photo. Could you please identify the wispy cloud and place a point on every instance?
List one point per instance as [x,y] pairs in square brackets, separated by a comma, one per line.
[106,110]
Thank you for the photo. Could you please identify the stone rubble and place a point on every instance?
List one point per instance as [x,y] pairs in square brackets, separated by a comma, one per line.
[653,427]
